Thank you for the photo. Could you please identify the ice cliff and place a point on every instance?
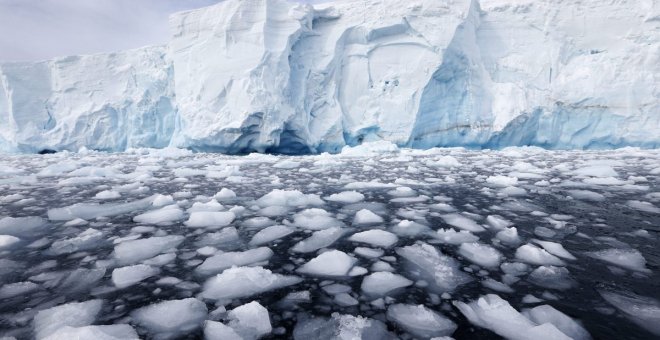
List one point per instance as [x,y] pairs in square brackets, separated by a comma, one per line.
[277,76]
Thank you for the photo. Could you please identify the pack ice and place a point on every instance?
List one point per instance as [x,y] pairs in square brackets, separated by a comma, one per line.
[297,78]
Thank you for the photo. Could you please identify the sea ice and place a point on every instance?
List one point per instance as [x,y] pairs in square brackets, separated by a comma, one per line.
[74,314]
[171,318]
[630,259]
[461,222]
[346,197]
[319,239]
[330,263]
[420,321]
[211,219]
[237,282]
[270,234]
[315,219]
[289,198]
[22,226]
[219,262]
[127,276]
[250,321]
[547,314]
[531,254]
[365,216]
[481,254]
[379,284]
[166,214]
[104,332]
[643,310]
[130,252]
[440,271]
[451,236]
[375,237]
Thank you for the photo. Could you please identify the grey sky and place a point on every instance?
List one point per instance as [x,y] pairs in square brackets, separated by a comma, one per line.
[42,29]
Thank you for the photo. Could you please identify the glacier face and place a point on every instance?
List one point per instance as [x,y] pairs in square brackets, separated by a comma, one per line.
[277,76]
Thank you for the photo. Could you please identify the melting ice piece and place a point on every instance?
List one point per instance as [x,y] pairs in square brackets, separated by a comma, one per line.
[420,321]
[169,319]
[22,226]
[381,283]
[75,314]
[11,290]
[130,252]
[7,241]
[366,216]
[330,263]
[315,219]
[375,237]
[225,194]
[211,205]
[214,330]
[169,213]
[496,314]
[270,234]
[88,211]
[245,281]
[630,259]
[440,271]
[534,255]
[642,310]
[555,249]
[346,197]
[481,254]
[219,262]
[551,277]
[644,206]
[509,236]
[88,239]
[104,332]
[341,327]
[461,222]
[250,321]
[451,236]
[127,276]
[502,181]
[409,228]
[289,198]
[319,239]
[498,222]
[214,219]
[547,314]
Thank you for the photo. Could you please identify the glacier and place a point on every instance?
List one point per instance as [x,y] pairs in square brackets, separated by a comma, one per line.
[285,77]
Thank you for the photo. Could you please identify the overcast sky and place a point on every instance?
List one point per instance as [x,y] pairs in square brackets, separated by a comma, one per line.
[43,29]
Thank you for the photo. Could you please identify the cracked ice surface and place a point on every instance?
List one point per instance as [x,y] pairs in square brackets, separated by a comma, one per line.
[373,243]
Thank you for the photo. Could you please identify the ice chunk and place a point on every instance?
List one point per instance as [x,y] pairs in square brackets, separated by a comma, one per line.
[440,271]
[7,241]
[169,213]
[11,290]
[382,283]
[127,276]
[346,197]
[369,253]
[319,239]
[630,259]
[509,236]
[555,249]
[329,263]
[375,237]
[225,194]
[498,222]
[642,310]
[74,314]
[214,330]
[22,226]
[502,181]
[644,206]
[286,164]
[531,254]
[551,277]
[105,332]
[213,219]
[169,319]
[270,234]
[88,211]
[107,195]
[315,219]
[586,195]
[496,314]
[451,236]
[462,222]
[341,327]
[409,228]
[547,314]
[596,171]
[366,216]
[289,198]
[239,282]
[219,262]
[211,205]
[481,254]
[420,321]
[250,321]
[88,239]
[130,252]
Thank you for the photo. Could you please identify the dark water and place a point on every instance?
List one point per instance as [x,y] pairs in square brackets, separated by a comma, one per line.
[594,225]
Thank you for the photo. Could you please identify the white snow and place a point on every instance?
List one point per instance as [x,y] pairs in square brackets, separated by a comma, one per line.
[329,263]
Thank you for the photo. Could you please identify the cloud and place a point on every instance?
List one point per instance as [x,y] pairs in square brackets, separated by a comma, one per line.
[42,29]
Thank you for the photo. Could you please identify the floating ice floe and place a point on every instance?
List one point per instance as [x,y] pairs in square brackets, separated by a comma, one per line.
[502,181]
[375,237]
[127,276]
[420,321]
[219,262]
[461,222]
[642,310]
[166,214]
[481,254]
[341,327]
[366,217]
[88,211]
[319,239]
[169,319]
[441,272]
[270,234]
[8,241]
[551,277]
[74,314]
[239,282]
[225,194]
[22,226]
[11,290]
[289,198]
[531,254]
[630,259]
[451,236]
[315,219]
[210,219]
[379,284]
[88,239]
[130,252]
[332,263]
[250,321]
[346,197]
